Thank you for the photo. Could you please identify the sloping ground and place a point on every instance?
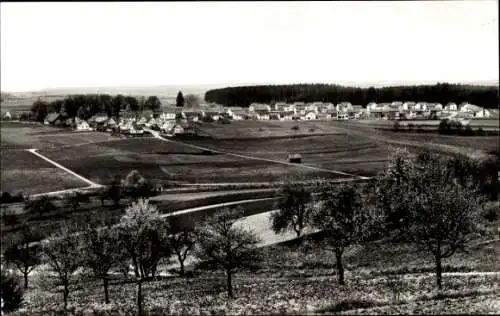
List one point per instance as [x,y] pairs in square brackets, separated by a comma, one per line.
[24,172]
[24,135]
[264,129]
[161,160]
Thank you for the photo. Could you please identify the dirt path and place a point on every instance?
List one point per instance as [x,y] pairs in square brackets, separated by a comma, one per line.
[58,165]
[157,135]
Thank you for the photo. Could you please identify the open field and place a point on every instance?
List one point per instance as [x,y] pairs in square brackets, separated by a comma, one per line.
[343,152]
[474,123]
[22,171]
[484,143]
[25,135]
[158,160]
[265,129]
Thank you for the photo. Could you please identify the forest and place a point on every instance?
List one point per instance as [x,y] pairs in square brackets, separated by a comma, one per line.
[85,106]
[484,96]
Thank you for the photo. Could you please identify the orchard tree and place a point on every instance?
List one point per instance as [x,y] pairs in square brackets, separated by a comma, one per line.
[144,238]
[444,214]
[294,207]
[23,257]
[62,252]
[226,246]
[181,244]
[344,220]
[136,186]
[179,101]
[101,253]
[441,208]
[11,292]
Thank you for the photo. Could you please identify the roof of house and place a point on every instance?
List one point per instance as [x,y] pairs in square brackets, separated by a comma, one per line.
[52,117]
[357,107]
[235,108]
[262,111]
[290,156]
[311,112]
[344,104]
[240,111]
[260,106]
[172,110]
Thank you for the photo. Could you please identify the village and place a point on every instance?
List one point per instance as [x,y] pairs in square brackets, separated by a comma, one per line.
[179,120]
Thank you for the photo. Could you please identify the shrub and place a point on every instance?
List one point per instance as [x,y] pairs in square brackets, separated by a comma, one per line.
[410,126]
[295,128]
[6,198]
[349,304]
[225,120]
[491,214]
[11,292]
[396,126]
[480,132]
[207,119]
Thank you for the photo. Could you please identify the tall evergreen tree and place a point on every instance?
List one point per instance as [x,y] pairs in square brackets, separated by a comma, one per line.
[180,99]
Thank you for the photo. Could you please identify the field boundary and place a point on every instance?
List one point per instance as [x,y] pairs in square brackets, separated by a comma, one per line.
[157,136]
[58,165]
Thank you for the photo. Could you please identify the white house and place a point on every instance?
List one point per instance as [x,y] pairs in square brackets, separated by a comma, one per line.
[483,114]
[286,115]
[166,126]
[310,115]
[344,107]
[262,115]
[7,116]
[450,107]
[178,129]
[83,126]
[254,107]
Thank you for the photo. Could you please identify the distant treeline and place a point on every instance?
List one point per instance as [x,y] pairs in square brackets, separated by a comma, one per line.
[85,106]
[485,96]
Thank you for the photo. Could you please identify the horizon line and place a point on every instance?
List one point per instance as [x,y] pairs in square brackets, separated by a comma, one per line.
[229,85]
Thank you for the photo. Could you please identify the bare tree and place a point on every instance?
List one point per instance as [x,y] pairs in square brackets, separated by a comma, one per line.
[23,257]
[343,220]
[226,246]
[62,253]
[144,238]
[294,208]
[181,244]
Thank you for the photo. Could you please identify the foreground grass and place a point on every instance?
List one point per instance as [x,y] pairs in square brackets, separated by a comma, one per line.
[294,282]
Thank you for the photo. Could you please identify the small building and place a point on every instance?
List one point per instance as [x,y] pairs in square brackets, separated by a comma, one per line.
[7,116]
[254,107]
[82,125]
[311,115]
[295,158]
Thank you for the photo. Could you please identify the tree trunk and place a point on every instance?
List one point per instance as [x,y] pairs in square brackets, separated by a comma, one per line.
[229,283]
[340,267]
[25,278]
[181,262]
[139,297]
[65,296]
[136,268]
[106,293]
[439,272]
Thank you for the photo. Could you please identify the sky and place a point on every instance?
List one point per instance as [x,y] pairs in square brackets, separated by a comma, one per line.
[59,45]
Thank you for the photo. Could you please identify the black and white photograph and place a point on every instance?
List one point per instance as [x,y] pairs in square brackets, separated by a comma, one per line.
[250,158]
